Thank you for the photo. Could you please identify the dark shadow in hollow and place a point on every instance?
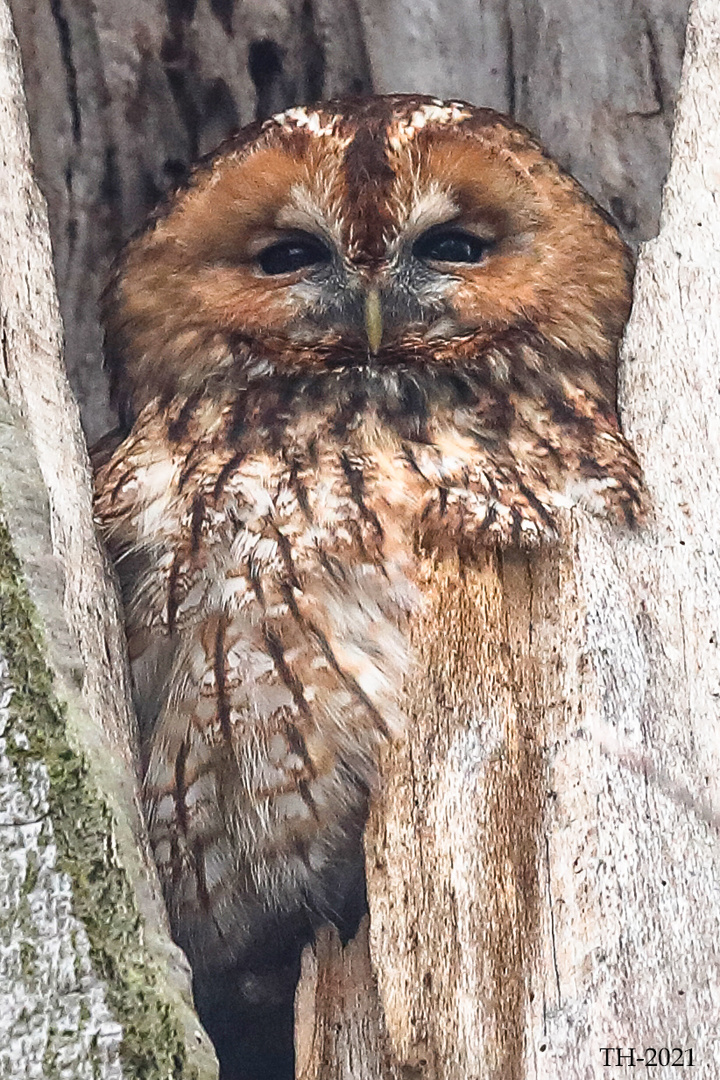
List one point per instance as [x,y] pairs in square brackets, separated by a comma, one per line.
[254,1039]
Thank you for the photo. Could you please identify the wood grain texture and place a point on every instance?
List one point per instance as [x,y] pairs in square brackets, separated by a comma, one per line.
[542,863]
[338,1013]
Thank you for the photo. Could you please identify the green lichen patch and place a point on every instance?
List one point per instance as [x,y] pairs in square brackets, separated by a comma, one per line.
[103,898]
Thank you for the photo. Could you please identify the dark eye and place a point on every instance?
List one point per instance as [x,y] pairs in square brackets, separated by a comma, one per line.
[451,245]
[289,255]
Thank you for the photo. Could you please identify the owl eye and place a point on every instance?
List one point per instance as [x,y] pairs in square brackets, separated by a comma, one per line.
[451,245]
[286,256]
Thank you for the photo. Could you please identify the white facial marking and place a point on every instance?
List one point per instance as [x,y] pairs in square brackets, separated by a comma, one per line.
[432,207]
[306,213]
[436,112]
[304,118]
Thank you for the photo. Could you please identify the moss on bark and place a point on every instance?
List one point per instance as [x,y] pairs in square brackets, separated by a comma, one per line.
[103,900]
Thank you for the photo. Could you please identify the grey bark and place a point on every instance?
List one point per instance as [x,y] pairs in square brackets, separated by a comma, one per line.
[90,982]
[123,96]
[544,852]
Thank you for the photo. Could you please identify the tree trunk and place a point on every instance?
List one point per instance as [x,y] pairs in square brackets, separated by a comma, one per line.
[544,851]
[90,982]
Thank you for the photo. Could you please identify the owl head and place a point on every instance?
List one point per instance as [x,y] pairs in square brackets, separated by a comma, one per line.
[365,233]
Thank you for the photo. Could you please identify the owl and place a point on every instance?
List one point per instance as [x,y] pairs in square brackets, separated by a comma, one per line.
[364,335]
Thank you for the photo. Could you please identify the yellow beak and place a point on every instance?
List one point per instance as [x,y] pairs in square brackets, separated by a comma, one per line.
[373,319]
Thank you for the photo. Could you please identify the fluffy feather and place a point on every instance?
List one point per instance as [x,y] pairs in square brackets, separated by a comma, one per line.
[281,479]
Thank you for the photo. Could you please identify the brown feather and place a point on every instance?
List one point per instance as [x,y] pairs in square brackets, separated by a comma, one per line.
[267,508]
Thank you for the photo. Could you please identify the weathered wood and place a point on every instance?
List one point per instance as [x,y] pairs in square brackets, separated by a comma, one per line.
[123,97]
[544,851]
[91,983]
[338,1012]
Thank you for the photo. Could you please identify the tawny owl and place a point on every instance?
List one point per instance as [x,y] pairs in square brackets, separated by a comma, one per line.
[364,333]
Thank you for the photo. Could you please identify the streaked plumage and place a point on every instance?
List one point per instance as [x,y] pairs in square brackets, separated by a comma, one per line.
[298,439]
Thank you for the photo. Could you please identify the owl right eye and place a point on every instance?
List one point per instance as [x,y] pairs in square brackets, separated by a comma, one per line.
[287,256]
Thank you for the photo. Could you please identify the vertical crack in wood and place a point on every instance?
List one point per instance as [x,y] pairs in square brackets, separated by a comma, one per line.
[552,921]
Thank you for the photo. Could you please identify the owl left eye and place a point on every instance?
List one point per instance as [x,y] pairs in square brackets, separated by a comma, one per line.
[287,256]
[451,245]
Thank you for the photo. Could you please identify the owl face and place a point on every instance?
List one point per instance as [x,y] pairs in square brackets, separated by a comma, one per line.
[373,235]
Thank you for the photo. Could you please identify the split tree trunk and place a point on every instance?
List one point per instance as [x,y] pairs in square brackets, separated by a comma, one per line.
[544,853]
[542,860]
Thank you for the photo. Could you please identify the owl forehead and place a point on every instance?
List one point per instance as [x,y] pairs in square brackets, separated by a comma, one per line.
[366,178]
[400,125]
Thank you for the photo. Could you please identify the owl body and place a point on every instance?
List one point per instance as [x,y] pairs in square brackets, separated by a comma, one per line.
[366,334]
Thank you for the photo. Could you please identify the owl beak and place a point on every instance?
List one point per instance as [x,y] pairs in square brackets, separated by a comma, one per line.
[373,319]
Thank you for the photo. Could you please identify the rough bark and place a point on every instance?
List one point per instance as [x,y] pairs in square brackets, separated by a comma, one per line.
[90,983]
[544,852]
[123,96]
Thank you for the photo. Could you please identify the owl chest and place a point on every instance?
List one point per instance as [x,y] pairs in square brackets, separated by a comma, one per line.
[230,531]
[281,596]
[238,539]
[268,595]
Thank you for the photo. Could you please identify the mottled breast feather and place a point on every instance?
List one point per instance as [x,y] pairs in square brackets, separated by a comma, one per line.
[365,334]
